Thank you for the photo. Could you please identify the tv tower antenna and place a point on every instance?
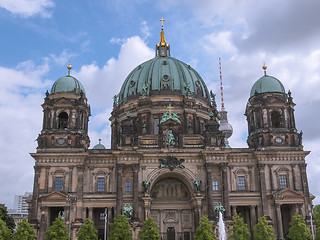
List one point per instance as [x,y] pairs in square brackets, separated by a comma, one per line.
[225,126]
[221,86]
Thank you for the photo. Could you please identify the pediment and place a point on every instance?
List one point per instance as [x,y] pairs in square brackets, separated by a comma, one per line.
[54,196]
[170,123]
[63,101]
[288,193]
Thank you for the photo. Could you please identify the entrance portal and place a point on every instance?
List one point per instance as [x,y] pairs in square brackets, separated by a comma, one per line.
[171,233]
[171,208]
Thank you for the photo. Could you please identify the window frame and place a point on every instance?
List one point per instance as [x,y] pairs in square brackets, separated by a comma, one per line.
[128,187]
[241,184]
[56,182]
[101,184]
[215,185]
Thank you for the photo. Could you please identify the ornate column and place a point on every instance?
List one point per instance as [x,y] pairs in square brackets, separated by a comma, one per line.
[225,189]
[80,170]
[295,178]
[271,177]
[147,206]
[263,189]
[208,167]
[253,217]
[279,221]
[47,179]
[70,179]
[119,189]
[304,181]
[43,221]
[135,169]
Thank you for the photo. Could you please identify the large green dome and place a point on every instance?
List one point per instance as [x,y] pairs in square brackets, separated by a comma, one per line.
[163,75]
[67,84]
[267,84]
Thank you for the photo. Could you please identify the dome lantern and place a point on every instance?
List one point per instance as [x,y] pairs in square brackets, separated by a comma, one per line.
[162,48]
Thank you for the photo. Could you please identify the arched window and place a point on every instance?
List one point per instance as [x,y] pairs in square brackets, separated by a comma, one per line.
[63,120]
[275,119]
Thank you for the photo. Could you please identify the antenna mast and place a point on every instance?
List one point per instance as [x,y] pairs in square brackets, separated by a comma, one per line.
[221,87]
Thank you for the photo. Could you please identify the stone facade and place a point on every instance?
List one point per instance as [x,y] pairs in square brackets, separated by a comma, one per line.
[168,161]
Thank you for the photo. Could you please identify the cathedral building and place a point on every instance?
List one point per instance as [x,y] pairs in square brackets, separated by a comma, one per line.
[170,158]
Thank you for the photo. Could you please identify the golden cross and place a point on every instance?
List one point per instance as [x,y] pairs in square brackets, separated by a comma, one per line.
[162,20]
[170,108]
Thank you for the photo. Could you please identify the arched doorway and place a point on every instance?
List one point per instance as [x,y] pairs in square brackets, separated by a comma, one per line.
[171,208]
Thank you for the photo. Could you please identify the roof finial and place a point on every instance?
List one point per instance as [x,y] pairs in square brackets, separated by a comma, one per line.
[69,68]
[99,140]
[162,20]
[163,48]
[264,67]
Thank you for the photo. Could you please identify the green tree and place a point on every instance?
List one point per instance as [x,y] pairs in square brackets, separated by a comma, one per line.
[240,230]
[5,232]
[24,231]
[204,230]
[149,230]
[316,216]
[298,229]
[263,231]
[6,218]
[120,229]
[58,230]
[87,231]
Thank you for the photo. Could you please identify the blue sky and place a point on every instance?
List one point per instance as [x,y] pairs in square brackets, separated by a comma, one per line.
[105,39]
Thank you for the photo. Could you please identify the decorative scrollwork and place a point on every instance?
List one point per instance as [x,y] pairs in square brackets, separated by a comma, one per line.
[171,163]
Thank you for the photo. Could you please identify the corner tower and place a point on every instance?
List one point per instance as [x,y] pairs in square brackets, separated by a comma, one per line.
[270,115]
[65,116]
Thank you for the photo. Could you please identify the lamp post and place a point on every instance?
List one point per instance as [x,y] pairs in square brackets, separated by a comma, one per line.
[70,200]
[105,222]
[311,221]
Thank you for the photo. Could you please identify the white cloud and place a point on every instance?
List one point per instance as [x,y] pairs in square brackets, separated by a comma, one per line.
[220,42]
[145,30]
[103,83]
[63,58]
[28,8]
[21,95]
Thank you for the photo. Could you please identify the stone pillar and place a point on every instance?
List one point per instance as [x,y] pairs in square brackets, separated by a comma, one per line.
[147,206]
[47,179]
[119,189]
[70,179]
[90,213]
[135,169]
[225,190]
[208,167]
[299,206]
[251,178]
[279,221]
[253,217]
[234,210]
[296,178]
[271,177]
[43,222]
[34,209]
[263,189]
[304,181]
[80,170]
